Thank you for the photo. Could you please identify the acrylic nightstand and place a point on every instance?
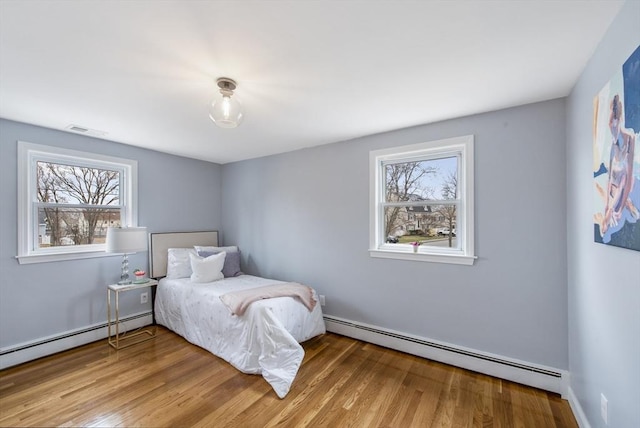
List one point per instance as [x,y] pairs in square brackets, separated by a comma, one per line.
[121,340]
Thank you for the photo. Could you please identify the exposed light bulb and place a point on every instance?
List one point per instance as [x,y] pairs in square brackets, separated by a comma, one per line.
[226,106]
[227,111]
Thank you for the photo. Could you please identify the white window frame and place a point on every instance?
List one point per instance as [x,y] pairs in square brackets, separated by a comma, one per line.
[28,156]
[461,147]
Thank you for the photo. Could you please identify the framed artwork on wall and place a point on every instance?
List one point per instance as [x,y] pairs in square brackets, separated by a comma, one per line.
[616,158]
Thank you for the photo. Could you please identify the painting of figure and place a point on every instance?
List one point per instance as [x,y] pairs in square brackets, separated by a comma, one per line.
[616,158]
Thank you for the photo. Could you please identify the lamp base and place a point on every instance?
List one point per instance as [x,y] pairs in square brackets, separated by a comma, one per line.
[124,276]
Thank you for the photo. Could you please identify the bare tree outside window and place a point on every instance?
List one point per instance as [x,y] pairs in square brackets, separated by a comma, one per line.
[76,203]
[48,192]
[421,200]
[449,190]
[404,182]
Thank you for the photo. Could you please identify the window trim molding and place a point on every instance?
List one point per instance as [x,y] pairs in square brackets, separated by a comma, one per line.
[465,255]
[28,153]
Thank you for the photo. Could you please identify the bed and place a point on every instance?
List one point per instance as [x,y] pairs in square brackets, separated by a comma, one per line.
[264,339]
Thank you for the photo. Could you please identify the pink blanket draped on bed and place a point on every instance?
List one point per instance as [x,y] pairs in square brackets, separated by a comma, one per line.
[239,301]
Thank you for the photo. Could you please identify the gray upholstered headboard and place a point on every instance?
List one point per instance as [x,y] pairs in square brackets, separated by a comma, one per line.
[159,243]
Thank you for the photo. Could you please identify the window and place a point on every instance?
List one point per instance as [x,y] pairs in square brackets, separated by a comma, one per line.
[423,194]
[67,200]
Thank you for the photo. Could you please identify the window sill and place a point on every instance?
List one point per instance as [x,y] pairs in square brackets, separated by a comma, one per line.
[457,259]
[59,257]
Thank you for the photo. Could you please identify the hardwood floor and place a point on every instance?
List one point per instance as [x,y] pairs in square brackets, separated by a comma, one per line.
[168,382]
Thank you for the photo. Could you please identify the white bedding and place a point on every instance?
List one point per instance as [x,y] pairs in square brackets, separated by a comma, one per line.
[265,340]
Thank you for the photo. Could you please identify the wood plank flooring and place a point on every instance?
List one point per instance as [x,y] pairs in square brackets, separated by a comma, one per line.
[168,382]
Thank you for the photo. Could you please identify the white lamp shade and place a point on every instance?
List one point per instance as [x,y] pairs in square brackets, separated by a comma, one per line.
[126,240]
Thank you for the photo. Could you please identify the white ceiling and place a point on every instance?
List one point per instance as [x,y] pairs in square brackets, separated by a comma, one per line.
[308,72]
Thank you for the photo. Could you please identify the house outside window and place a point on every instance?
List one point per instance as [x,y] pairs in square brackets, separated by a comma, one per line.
[67,199]
[423,194]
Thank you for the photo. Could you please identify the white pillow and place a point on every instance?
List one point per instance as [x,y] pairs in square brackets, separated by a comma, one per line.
[207,269]
[178,263]
[229,249]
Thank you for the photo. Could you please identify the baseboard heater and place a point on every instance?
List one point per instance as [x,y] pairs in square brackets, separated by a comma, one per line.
[50,345]
[545,378]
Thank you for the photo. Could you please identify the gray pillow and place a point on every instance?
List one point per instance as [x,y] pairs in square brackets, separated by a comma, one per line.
[231,262]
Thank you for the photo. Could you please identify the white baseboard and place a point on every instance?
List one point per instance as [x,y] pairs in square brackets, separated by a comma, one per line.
[538,376]
[576,408]
[42,347]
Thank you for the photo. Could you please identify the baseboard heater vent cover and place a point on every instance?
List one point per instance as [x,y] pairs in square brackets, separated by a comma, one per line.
[545,378]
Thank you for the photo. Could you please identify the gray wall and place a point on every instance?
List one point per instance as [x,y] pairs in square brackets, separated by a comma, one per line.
[604,281]
[304,216]
[38,300]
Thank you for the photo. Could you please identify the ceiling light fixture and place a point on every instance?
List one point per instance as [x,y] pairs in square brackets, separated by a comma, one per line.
[226,112]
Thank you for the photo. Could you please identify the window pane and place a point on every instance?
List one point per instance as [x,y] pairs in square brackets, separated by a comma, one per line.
[75,226]
[421,180]
[67,184]
[430,224]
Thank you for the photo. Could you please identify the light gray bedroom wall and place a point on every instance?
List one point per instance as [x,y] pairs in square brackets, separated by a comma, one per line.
[39,300]
[304,216]
[604,281]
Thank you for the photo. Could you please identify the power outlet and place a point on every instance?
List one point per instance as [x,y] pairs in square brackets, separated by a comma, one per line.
[144,297]
[322,301]
[604,409]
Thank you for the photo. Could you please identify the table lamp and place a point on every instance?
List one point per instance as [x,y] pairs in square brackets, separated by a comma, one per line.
[126,240]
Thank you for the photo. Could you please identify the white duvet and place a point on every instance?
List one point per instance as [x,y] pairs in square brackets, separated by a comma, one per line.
[265,340]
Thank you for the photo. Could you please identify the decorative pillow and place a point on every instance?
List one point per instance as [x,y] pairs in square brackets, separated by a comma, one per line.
[231,262]
[207,269]
[178,263]
[216,250]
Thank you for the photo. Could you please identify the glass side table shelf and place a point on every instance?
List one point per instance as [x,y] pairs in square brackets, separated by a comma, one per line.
[121,340]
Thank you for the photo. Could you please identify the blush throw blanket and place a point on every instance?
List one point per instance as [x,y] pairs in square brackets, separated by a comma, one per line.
[239,301]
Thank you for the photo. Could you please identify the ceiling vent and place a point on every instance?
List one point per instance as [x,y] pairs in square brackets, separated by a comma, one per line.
[85,131]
